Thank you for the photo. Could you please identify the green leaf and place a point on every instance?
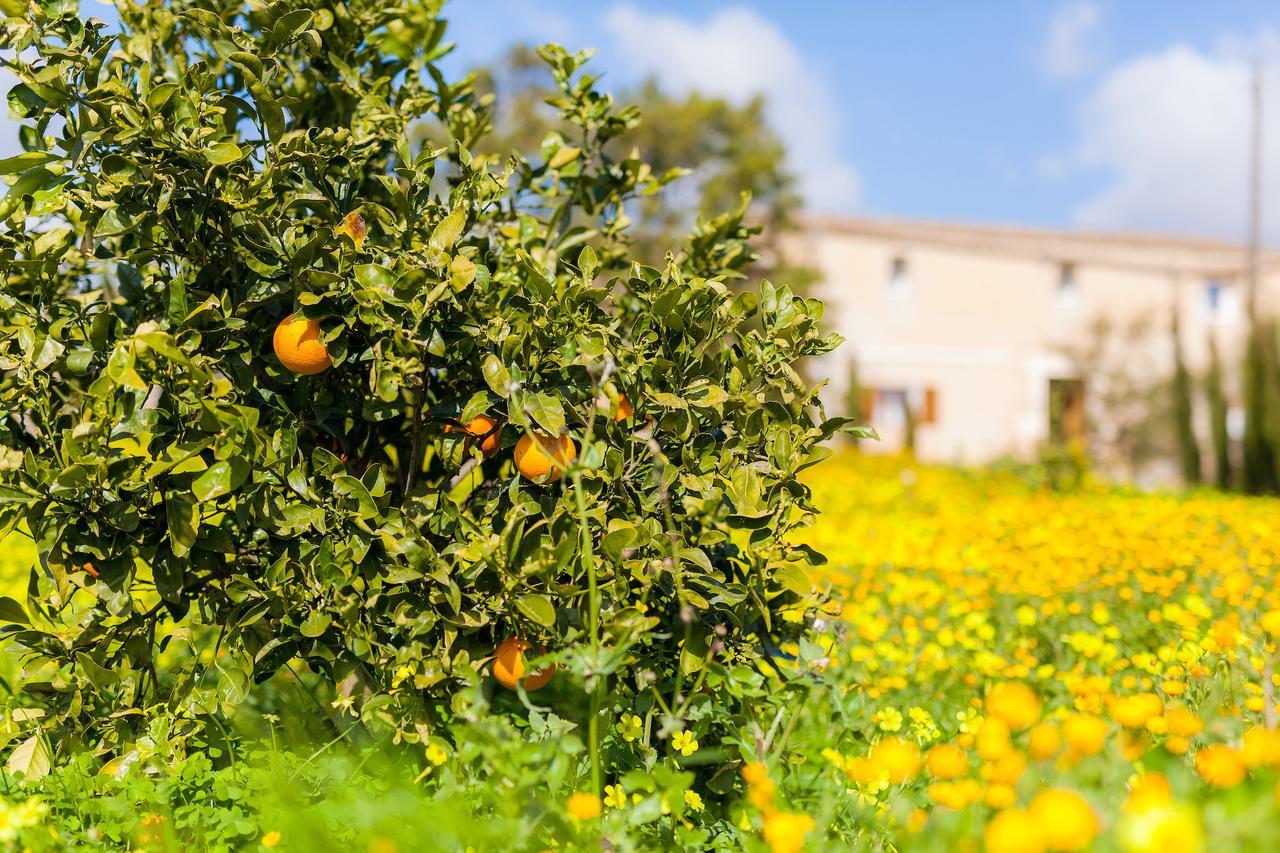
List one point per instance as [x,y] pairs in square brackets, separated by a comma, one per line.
[184,521]
[53,242]
[588,264]
[446,234]
[706,396]
[23,162]
[616,542]
[461,272]
[12,611]
[24,102]
[547,411]
[496,376]
[315,624]
[221,478]
[538,608]
[268,110]
[224,153]
[795,579]
[31,181]
[30,759]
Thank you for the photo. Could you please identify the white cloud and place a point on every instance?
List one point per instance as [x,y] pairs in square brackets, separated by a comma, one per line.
[1068,48]
[1172,129]
[737,54]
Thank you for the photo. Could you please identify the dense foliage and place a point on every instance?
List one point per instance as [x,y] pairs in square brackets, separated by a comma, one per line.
[205,515]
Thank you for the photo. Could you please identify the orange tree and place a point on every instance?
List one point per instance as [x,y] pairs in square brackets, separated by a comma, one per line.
[281,389]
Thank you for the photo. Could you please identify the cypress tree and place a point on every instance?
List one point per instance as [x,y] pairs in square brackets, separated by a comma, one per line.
[1188,449]
[855,404]
[1217,399]
[1270,330]
[1259,452]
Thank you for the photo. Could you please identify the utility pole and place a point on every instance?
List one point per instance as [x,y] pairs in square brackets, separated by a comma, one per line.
[1255,195]
[1260,438]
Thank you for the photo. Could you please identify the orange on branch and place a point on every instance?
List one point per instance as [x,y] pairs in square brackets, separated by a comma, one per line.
[509,668]
[544,458]
[483,431]
[298,346]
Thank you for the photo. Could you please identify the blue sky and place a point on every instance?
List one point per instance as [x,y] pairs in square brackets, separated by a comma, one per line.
[1116,115]
[1078,113]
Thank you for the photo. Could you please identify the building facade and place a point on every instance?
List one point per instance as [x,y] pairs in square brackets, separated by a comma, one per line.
[978,343]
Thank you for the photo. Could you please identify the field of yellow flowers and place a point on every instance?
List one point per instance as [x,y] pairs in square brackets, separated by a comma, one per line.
[1036,671]
[1001,667]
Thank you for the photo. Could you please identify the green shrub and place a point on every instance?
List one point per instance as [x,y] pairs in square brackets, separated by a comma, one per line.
[204,516]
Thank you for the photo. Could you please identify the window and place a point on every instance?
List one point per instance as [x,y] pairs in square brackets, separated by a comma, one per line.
[1068,288]
[899,279]
[890,410]
[889,406]
[1221,301]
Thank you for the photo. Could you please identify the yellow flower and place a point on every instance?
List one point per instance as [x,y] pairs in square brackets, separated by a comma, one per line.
[1183,723]
[896,758]
[1148,791]
[947,761]
[1065,819]
[1043,741]
[271,839]
[993,738]
[784,832]
[630,726]
[1084,733]
[1220,766]
[684,743]
[1000,796]
[614,796]
[1261,748]
[889,719]
[1008,768]
[1271,622]
[436,753]
[1134,711]
[1015,704]
[583,806]
[1013,831]
[693,800]
[1169,829]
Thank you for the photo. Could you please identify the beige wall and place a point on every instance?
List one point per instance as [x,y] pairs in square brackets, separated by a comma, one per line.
[987,328]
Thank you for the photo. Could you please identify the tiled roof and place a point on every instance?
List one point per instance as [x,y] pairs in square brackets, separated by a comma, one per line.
[1191,255]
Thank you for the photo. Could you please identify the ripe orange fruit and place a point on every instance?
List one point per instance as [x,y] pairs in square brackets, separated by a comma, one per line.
[484,431]
[508,666]
[543,458]
[624,411]
[298,346]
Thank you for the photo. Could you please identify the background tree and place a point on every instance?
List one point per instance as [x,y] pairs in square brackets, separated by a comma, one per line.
[1137,401]
[1217,400]
[726,150]
[1183,408]
[1261,378]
